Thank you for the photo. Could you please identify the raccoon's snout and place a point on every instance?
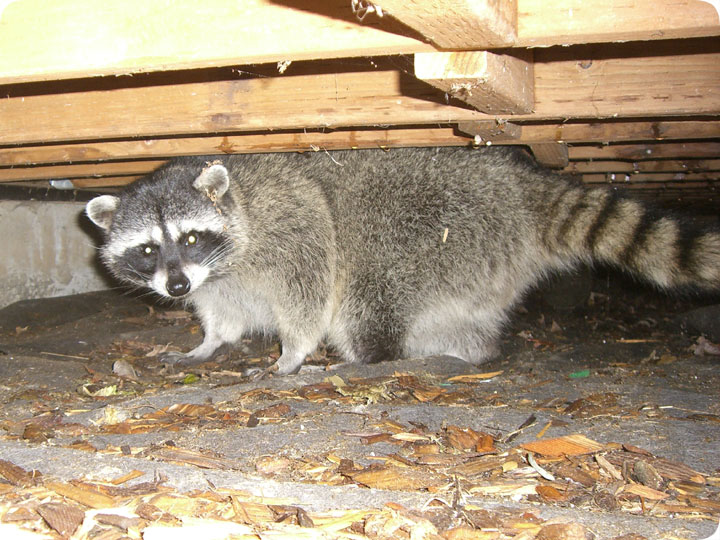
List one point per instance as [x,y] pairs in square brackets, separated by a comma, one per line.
[178,285]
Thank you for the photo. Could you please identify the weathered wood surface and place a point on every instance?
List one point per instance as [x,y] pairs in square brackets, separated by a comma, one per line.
[672,79]
[77,38]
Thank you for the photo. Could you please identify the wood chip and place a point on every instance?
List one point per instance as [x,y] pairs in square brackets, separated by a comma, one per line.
[475,377]
[17,476]
[564,531]
[570,445]
[192,457]
[550,493]
[645,492]
[61,517]
[116,520]
[88,497]
[608,467]
[396,478]
[132,475]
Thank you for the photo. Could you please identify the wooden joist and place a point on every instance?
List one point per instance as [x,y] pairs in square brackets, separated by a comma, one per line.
[78,38]
[594,163]
[491,83]
[675,79]
[459,24]
[662,166]
[311,76]
[553,154]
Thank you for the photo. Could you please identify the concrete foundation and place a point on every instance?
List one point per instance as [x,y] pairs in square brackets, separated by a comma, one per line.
[48,250]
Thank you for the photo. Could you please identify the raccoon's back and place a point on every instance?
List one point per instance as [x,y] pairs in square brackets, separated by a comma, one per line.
[417,220]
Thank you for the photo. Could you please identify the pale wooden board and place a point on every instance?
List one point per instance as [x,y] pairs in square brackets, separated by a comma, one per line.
[491,83]
[552,154]
[77,38]
[458,24]
[545,23]
[674,79]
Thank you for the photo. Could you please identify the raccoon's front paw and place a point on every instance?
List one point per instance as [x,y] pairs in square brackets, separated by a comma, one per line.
[289,364]
[256,374]
[179,359]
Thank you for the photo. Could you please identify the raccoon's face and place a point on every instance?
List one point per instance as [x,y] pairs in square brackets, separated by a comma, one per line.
[172,259]
[166,234]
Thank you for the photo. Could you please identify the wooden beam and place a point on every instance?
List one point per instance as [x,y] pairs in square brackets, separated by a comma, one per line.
[553,155]
[674,80]
[79,38]
[492,130]
[105,181]
[638,152]
[308,141]
[565,22]
[458,24]
[54,172]
[669,165]
[492,83]
[304,141]
[709,188]
[629,130]
[623,178]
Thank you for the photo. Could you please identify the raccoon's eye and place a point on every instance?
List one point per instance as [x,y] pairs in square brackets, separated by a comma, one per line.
[191,239]
[147,250]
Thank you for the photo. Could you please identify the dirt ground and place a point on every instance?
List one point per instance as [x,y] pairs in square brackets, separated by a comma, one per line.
[600,419]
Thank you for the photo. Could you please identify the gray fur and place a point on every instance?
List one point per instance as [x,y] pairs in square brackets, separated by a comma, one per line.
[382,254]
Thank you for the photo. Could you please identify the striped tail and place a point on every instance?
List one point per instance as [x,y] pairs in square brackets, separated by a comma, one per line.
[599,225]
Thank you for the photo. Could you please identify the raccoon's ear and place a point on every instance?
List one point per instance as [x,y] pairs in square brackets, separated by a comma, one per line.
[213,181]
[101,210]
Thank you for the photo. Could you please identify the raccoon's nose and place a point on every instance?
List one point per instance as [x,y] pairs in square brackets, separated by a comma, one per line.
[178,285]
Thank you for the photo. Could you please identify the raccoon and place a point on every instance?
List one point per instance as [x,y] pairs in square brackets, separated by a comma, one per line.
[382,254]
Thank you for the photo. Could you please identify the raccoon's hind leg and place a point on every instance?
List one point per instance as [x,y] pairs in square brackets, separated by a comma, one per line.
[456,328]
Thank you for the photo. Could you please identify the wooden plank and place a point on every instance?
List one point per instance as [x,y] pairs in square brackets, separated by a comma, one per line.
[623,178]
[659,81]
[599,131]
[105,181]
[545,23]
[458,24]
[305,141]
[674,188]
[491,130]
[492,83]
[637,84]
[671,165]
[18,174]
[553,155]
[638,152]
[78,38]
